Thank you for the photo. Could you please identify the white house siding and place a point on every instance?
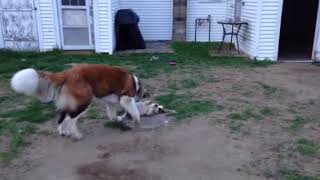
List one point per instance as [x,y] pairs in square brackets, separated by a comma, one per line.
[102,26]
[269,29]
[48,31]
[248,37]
[1,38]
[155,17]
[196,9]
[114,8]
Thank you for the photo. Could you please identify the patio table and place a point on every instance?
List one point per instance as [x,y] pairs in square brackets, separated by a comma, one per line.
[234,32]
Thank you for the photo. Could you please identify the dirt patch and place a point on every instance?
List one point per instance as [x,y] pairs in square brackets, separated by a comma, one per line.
[103,170]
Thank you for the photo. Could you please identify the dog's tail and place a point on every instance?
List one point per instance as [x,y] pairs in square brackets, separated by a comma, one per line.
[25,81]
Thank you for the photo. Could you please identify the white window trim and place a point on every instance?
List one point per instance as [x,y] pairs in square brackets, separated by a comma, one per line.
[1,34]
[57,23]
[96,26]
[111,28]
[39,25]
[277,38]
[316,41]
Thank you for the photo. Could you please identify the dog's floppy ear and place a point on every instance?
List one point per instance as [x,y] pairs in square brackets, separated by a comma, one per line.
[57,79]
[147,102]
[44,75]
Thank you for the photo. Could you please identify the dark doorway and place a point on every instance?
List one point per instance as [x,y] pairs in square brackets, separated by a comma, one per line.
[297,31]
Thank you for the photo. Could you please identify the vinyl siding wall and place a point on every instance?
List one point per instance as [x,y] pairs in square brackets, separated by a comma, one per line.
[47,21]
[103,26]
[155,17]
[196,9]
[269,29]
[248,38]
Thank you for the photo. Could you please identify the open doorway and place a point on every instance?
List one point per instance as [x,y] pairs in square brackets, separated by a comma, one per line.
[297,31]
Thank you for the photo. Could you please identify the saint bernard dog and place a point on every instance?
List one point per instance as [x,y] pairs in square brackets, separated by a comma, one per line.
[73,90]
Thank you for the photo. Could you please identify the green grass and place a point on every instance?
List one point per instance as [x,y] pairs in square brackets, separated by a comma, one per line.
[308,148]
[267,89]
[173,85]
[267,111]
[34,112]
[237,119]
[183,84]
[194,54]
[299,123]
[17,132]
[294,175]
[189,83]
[245,115]
[11,62]
[198,54]
[93,112]
[187,107]
[18,123]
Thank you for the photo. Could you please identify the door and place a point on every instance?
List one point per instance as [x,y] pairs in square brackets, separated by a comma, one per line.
[18,25]
[76,24]
[297,32]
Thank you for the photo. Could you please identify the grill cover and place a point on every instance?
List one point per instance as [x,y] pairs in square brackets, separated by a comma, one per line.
[128,35]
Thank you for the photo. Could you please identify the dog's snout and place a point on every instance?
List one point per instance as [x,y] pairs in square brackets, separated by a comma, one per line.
[161,110]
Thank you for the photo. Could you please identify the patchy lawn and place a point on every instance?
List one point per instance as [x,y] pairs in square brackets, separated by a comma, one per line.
[236,119]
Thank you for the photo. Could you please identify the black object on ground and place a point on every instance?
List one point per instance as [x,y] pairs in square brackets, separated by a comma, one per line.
[128,35]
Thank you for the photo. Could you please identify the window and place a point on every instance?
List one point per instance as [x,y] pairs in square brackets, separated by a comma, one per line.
[211,1]
[73,2]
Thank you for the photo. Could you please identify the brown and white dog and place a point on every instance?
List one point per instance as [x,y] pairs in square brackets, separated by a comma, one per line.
[73,90]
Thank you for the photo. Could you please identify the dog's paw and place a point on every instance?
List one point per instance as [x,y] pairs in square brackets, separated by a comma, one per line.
[59,129]
[77,136]
[137,123]
[119,119]
[66,132]
[63,130]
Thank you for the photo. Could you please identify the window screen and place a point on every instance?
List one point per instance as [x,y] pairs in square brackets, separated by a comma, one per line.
[73,2]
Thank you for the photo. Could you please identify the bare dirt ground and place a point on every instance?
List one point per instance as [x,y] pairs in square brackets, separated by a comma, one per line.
[215,146]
